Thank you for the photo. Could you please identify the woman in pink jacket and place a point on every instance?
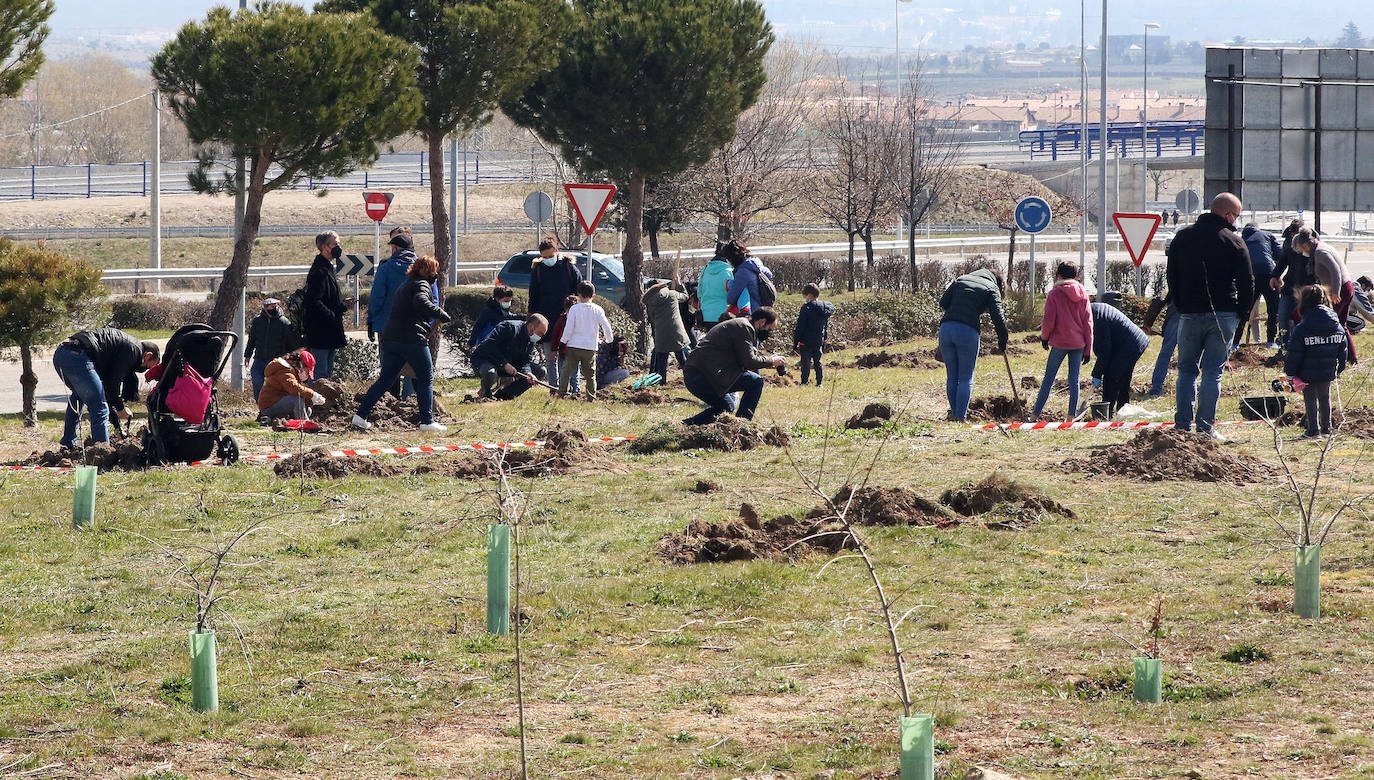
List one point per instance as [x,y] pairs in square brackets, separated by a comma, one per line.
[1067,332]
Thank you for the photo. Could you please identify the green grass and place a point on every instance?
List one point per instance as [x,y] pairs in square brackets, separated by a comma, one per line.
[363,650]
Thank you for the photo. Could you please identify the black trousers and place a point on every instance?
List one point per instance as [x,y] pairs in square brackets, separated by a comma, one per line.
[1271,312]
[1116,388]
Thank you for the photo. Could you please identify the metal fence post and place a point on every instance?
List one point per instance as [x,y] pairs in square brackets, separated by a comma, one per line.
[88,180]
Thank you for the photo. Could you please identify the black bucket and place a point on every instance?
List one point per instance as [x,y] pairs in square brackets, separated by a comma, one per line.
[1102,410]
[1262,407]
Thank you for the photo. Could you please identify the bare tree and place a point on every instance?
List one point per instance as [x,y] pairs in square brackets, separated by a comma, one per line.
[757,171]
[925,156]
[849,160]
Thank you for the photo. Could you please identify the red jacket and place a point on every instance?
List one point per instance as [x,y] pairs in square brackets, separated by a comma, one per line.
[1068,322]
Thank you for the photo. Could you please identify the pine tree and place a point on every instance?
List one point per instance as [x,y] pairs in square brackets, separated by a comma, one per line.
[1350,37]
[295,94]
[23,28]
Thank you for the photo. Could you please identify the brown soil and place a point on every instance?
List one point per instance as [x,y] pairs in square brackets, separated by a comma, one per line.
[997,408]
[1013,504]
[890,506]
[641,396]
[1030,383]
[707,486]
[781,380]
[726,434]
[885,359]
[872,416]
[748,538]
[1255,357]
[319,464]
[122,452]
[390,414]
[1358,422]
[1158,454]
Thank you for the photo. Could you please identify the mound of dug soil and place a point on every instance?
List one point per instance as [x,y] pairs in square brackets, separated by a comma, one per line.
[642,396]
[123,452]
[389,414]
[1358,422]
[885,359]
[748,538]
[707,486]
[1158,454]
[781,380]
[997,408]
[1255,357]
[872,416]
[726,434]
[890,506]
[319,464]
[997,493]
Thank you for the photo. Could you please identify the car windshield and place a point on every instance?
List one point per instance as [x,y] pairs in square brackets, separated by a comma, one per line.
[611,264]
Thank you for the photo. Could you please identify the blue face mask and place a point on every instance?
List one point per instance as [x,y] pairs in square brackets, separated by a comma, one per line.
[534,338]
[549,261]
[504,304]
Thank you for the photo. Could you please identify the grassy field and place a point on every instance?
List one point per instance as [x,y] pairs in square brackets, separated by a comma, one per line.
[354,645]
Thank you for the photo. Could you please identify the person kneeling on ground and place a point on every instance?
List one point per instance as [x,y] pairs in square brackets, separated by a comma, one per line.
[725,362]
[284,394]
[509,353]
[813,325]
[610,362]
[99,367]
[406,341]
[494,312]
[1118,345]
[1067,332]
[1316,355]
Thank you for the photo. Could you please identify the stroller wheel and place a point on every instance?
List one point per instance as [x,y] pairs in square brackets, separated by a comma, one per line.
[228,450]
[153,452]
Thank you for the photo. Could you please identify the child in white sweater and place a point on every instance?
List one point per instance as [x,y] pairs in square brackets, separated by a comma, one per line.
[586,328]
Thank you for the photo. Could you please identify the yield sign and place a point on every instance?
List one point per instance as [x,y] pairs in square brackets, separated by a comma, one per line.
[377,204]
[590,200]
[1137,231]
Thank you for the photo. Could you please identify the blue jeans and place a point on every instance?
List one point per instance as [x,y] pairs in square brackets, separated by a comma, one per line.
[255,373]
[1203,343]
[749,384]
[394,355]
[324,362]
[1166,353]
[1056,357]
[959,346]
[78,373]
[552,363]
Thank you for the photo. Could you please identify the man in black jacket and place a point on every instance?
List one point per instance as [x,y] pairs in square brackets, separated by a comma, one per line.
[1213,287]
[726,361]
[508,351]
[1291,273]
[99,367]
[324,305]
[270,336]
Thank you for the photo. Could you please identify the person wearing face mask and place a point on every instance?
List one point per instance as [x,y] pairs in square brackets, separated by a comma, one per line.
[508,353]
[726,361]
[495,311]
[1213,286]
[553,277]
[270,336]
[1328,270]
[1291,273]
[324,306]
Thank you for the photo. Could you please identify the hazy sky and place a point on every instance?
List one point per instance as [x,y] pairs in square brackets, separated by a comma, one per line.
[942,24]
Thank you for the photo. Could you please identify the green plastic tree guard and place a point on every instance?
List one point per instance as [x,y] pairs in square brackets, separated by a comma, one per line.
[918,747]
[204,675]
[1307,581]
[1149,678]
[83,504]
[498,579]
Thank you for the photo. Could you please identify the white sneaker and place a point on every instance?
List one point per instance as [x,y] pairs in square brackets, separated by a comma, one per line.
[433,427]
[359,422]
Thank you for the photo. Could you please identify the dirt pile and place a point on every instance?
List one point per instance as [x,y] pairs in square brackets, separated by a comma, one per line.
[997,408]
[889,506]
[873,416]
[1030,383]
[1003,504]
[121,452]
[390,413]
[885,359]
[1254,357]
[726,434]
[1158,454]
[748,538]
[707,486]
[641,396]
[317,463]
[1358,422]
[781,380]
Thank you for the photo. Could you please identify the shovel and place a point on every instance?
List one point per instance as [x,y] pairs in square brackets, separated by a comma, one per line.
[1015,394]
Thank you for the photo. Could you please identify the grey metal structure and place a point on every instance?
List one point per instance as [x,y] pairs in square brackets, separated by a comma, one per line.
[1291,129]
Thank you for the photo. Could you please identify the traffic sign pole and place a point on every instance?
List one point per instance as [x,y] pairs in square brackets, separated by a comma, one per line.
[1032,271]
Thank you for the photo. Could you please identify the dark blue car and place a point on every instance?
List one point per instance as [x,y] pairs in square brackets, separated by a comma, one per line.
[607,273]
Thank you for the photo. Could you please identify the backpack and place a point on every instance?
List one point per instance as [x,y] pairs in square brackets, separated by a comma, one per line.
[295,307]
[768,294]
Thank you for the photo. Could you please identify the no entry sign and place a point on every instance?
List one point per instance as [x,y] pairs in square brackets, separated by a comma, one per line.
[377,204]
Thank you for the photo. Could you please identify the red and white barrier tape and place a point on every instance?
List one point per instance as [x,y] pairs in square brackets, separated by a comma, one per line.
[362,453]
[1079,426]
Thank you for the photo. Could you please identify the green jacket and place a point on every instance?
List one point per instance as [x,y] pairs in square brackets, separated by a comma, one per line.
[665,318]
[969,296]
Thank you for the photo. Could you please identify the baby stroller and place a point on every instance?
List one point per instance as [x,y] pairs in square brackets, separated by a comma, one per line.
[170,438]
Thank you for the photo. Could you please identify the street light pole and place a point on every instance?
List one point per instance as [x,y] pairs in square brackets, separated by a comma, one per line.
[1102,166]
[1084,143]
[1145,121]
